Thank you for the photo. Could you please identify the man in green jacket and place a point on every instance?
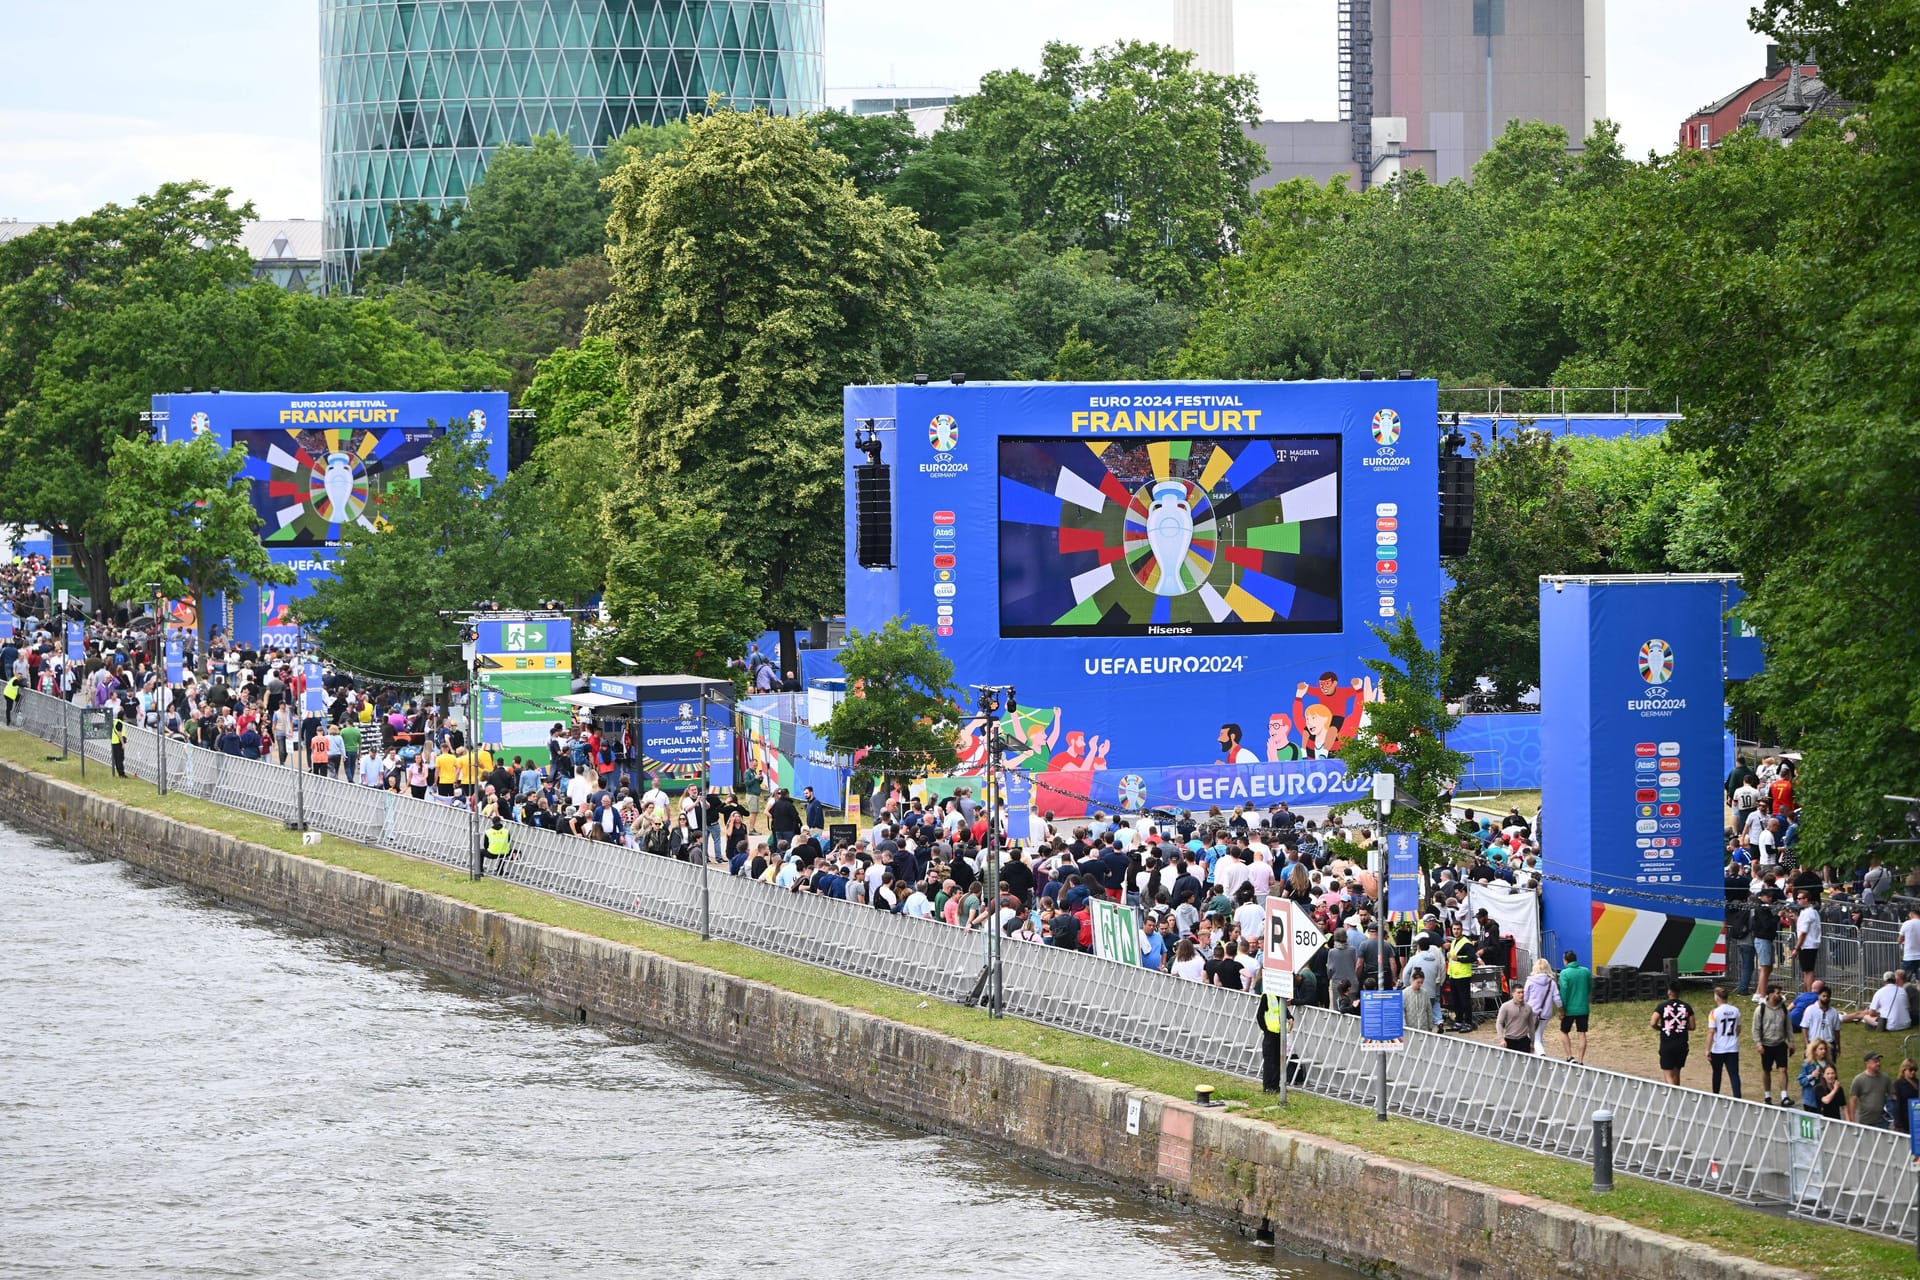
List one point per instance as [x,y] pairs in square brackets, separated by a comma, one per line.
[1576,1002]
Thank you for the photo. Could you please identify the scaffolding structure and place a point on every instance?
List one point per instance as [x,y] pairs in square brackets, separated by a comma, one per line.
[1356,80]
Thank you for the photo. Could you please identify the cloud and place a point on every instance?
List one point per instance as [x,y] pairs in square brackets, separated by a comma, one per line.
[56,165]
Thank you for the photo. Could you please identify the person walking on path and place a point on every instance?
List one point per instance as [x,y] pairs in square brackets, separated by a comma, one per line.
[1772,1034]
[1723,1043]
[1674,1021]
[1867,1095]
[1515,1022]
[1542,994]
[1806,939]
[1576,1003]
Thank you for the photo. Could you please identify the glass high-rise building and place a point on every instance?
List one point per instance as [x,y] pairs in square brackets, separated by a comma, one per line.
[417,94]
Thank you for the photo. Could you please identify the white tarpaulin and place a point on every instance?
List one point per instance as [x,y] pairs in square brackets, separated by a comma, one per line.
[1516,911]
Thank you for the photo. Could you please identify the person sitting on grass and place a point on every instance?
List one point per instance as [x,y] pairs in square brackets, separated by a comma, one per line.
[1888,1009]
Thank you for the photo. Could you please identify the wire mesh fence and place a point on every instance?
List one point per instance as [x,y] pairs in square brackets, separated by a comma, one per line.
[1830,1170]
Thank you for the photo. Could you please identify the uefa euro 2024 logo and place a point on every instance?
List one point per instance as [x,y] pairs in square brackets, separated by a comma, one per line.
[943,433]
[1656,661]
[1386,428]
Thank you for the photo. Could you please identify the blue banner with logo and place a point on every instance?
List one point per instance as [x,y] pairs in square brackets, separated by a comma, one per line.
[1632,727]
[314,701]
[1403,873]
[76,642]
[176,660]
[1071,793]
[9,622]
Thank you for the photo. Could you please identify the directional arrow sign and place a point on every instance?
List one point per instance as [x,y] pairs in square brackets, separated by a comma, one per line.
[1292,937]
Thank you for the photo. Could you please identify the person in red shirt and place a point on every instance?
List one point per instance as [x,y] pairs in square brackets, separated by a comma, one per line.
[1780,793]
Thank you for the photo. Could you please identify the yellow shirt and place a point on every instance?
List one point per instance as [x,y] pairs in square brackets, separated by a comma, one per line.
[446,768]
[486,761]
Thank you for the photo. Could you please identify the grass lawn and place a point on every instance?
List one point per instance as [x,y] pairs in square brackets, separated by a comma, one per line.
[1497,803]
[1815,1249]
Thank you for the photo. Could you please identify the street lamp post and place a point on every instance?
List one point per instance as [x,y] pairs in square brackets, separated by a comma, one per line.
[706,857]
[993,700]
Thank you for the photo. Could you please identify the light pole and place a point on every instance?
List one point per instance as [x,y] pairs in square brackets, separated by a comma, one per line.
[160,729]
[993,698]
[706,857]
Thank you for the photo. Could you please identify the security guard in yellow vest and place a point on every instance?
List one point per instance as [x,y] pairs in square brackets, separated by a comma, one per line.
[497,840]
[1270,1014]
[1460,980]
[119,741]
[12,693]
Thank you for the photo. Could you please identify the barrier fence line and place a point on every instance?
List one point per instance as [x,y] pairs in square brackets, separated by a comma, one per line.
[1825,1170]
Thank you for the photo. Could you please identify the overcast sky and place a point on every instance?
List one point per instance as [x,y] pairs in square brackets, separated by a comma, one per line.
[103,99]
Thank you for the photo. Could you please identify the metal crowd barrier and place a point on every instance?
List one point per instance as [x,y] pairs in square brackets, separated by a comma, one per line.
[1827,1170]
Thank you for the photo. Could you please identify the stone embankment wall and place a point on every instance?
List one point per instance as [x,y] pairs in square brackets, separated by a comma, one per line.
[1321,1195]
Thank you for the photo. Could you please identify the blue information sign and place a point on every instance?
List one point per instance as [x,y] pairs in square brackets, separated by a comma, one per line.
[1913,1127]
[176,660]
[314,703]
[76,642]
[1383,1020]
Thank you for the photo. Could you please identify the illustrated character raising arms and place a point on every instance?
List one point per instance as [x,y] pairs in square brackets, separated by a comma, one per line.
[1343,708]
[1082,754]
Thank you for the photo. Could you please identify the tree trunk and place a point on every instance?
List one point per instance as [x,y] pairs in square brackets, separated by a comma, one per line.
[93,569]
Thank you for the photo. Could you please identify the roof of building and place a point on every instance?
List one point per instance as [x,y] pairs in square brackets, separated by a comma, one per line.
[282,239]
[1780,113]
[13,228]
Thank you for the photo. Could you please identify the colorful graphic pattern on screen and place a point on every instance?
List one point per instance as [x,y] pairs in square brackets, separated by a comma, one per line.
[1203,535]
[313,487]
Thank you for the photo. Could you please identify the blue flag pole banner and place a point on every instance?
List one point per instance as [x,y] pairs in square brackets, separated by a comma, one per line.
[76,642]
[491,705]
[1403,875]
[9,622]
[176,660]
[314,701]
[1632,705]
[1383,1021]
[320,465]
[1168,574]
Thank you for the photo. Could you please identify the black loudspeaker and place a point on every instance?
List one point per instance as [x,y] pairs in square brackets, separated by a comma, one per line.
[1456,506]
[873,515]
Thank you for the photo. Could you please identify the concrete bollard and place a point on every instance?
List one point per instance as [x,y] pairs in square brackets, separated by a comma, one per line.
[1602,1151]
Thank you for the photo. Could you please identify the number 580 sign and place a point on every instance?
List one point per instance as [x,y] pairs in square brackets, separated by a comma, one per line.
[1292,937]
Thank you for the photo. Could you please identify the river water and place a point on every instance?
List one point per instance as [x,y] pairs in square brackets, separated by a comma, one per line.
[187,1090]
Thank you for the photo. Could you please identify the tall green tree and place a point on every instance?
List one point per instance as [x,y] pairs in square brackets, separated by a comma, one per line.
[184,522]
[875,147]
[59,286]
[1529,519]
[1406,732]
[673,606]
[1130,150]
[897,718]
[751,284]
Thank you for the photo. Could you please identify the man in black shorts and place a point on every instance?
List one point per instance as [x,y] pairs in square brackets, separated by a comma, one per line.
[1772,1034]
[1673,1020]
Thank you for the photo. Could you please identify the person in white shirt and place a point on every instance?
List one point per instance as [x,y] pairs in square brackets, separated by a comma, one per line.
[1723,1045]
[1807,939]
[654,796]
[1229,874]
[1252,919]
[917,905]
[1910,941]
[1821,1021]
[1260,876]
[1888,1009]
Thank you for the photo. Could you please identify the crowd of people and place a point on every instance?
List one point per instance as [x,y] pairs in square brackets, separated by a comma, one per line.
[1200,881]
